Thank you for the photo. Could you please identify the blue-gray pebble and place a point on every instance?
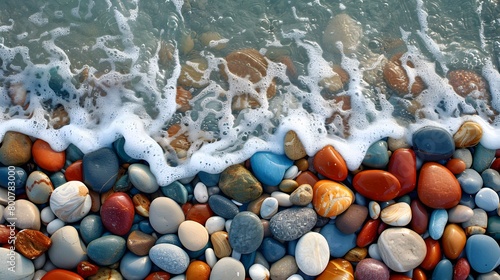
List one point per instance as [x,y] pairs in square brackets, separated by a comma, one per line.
[483,253]
[437,223]
[133,267]
[433,143]
[141,177]
[272,249]
[100,169]
[91,228]
[338,242]
[443,270]
[246,232]
[491,179]
[269,168]
[482,158]
[170,258]
[107,250]
[470,181]
[292,223]
[20,177]
[222,206]
[176,191]
[377,155]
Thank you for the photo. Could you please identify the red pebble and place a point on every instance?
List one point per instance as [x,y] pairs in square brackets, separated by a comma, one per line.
[420,217]
[456,166]
[403,165]
[377,185]
[117,213]
[159,275]
[437,186]
[185,207]
[5,233]
[461,270]
[199,213]
[419,274]
[368,233]
[307,177]
[496,164]
[74,172]
[46,158]
[398,276]
[86,269]
[58,274]
[433,255]
[329,163]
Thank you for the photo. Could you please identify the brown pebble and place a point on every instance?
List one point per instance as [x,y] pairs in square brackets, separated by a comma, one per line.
[139,242]
[302,164]
[294,149]
[356,254]
[302,196]
[254,205]
[468,135]
[141,204]
[15,149]
[32,243]
[352,219]
[46,158]
[96,201]
[220,243]
[283,268]
[288,185]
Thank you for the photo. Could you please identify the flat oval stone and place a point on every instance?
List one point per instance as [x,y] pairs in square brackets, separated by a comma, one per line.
[269,207]
[293,147]
[198,270]
[377,155]
[26,215]
[215,223]
[133,267]
[170,258]
[470,181]
[38,187]
[15,149]
[239,184]
[32,243]
[139,242]
[378,185]
[420,217]
[222,206]
[437,223]
[370,268]
[438,194]
[269,168]
[483,253]
[337,269]
[443,270]
[199,213]
[117,213]
[453,241]
[352,219]
[100,169]
[460,214]
[482,158]
[282,198]
[193,235]
[491,179]
[397,214]
[91,228]
[67,248]
[200,192]
[338,243]
[46,158]
[368,233]
[487,199]
[272,249]
[141,177]
[302,195]
[433,143]
[284,268]
[71,201]
[165,215]
[246,232]
[107,250]
[228,269]
[312,253]
[403,165]
[401,249]
[292,223]
[329,163]
[331,198]
[468,135]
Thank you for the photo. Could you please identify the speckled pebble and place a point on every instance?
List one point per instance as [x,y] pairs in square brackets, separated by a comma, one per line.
[293,146]
[246,232]
[71,201]
[371,269]
[284,268]
[239,184]
[170,258]
[292,223]
[15,149]
[465,155]
[302,195]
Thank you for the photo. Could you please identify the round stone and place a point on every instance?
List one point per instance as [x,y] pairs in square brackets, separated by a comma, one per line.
[487,199]
[215,223]
[312,253]
[443,193]
[198,270]
[107,250]
[25,215]
[377,185]
[71,201]
[397,214]
[200,213]
[284,268]
[165,215]
[329,163]
[302,195]
[133,267]
[193,235]
[461,270]
[370,268]
[483,253]
[401,249]
[269,168]
[46,158]
[67,248]
[170,258]
[100,169]
[331,198]
[141,177]
[468,135]
[292,223]
[239,184]
[117,213]
[465,155]
[433,143]
[456,166]
[246,232]
[443,270]
[91,228]
[352,219]
[294,149]
[228,269]
[258,271]
[470,181]
[176,191]
[15,149]
[460,214]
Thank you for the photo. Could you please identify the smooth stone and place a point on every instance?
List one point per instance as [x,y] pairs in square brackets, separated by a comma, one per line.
[371,269]
[119,147]
[58,273]
[374,209]
[377,185]
[199,213]
[291,173]
[269,168]
[401,249]
[433,255]
[482,158]
[246,232]
[487,199]
[200,192]
[269,207]
[139,242]
[368,233]
[306,177]
[377,155]
[141,177]
[356,254]
[67,248]
[71,201]
[210,257]
[239,184]
[272,249]
[38,187]
[293,147]
[47,158]
[479,219]
[214,223]
[176,191]
[170,258]
[284,268]
[465,155]
[453,241]
[461,270]
[420,217]
[100,169]
[460,214]
[329,163]
[57,179]
[192,235]
[282,198]
[255,205]
[165,215]
[468,135]
[220,244]
[467,200]
[288,185]
[46,215]
[32,243]
[483,253]
[107,250]
[403,165]
[397,143]
[352,219]
[73,153]
[228,269]
[443,270]
[337,269]
[456,166]
[312,253]
[15,149]
[105,273]
[26,215]
[141,204]
[54,225]
[397,214]
[470,181]
[491,179]
[437,223]
[91,228]
[331,198]
[338,242]
[302,195]
[438,194]
[493,275]
[292,223]
[117,213]
[493,229]
[20,177]
[208,179]
[433,143]
[258,272]
[223,207]
[74,172]
[373,252]
[133,267]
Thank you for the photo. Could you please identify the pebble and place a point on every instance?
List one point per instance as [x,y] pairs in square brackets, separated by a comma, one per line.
[258,271]
[468,135]
[228,269]
[443,270]
[220,244]
[371,269]
[20,177]
[444,193]
[269,168]
[269,207]
[32,243]
[460,214]
[420,217]
[331,198]
[26,215]
[433,255]
[74,172]
[456,166]
[465,155]
[71,201]
[337,269]
[139,242]
[491,179]
[338,242]
[67,248]
[214,223]
[433,143]
[373,252]
[401,249]
[46,215]
[210,257]
[54,225]
[15,149]
[133,267]
[487,199]
[437,223]
[329,163]
[141,204]
[176,191]
[377,185]
[46,158]
[193,235]
[292,223]
[470,181]
[307,177]
[302,195]
[377,155]
[282,198]
[403,165]
[356,254]
[288,185]
[483,253]
[493,275]
[57,274]
[86,269]
[284,268]
[494,227]
[312,253]
[100,169]
[199,213]
[293,147]
[239,184]
[478,223]
[482,158]
[106,250]
[106,274]
[246,232]
[117,213]
[169,257]
[91,228]
[374,209]
[352,219]
[200,192]
[461,270]
[291,173]
[397,214]
[453,241]
[165,215]
[368,233]
[222,206]
[141,177]
[272,249]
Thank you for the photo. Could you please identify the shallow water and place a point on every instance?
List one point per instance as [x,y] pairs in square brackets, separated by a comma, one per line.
[89,72]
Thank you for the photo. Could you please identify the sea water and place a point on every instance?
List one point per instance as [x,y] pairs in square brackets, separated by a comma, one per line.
[89,72]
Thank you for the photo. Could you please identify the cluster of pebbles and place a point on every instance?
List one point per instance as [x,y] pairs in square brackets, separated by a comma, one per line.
[426,211]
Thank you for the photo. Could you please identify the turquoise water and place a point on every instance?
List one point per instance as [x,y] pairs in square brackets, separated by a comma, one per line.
[89,72]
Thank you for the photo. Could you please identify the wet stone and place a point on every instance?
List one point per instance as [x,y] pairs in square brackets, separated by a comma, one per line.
[228,268]
[269,207]
[139,242]
[71,201]
[117,213]
[337,269]
[32,243]
[170,258]
[377,185]
[483,253]
[433,143]
[487,199]
[100,169]
[420,217]
[272,249]
[20,178]
[67,248]
[294,149]
[338,242]
[397,214]
[445,193]
[331,198]
[176,191]
[329,163]
[460,214]
[135,267]
[15,149]
[470,181]
[106,250]
[222,206]
[239,184]
[91,228]
[465,155]
[269,168]
[437,223]
[312,253]
[46,158]
[141,177]
[453,241]
[403,165]
[491,179]
[482,158]
[443,270]
[246,232]
[371,269]
[302,195]
[468,135]
[292,223]
[377,155]
[38,187]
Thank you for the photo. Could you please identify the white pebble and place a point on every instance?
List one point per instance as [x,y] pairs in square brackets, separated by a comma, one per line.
[237,203]
[283,198]
[373,252]
[295,277]
[54,225]
[312,253]
[258,272]
[200,192]
[71,201]
[269,207]
[210,257]
[215,223]
[374,209]
[47,215]
[227,225]
[291,172]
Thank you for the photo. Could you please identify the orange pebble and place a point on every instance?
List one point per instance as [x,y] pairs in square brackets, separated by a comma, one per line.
[306,177]
[45,157]
[159,275]
[58,274]
[330,163]
[453,241]
[433,255]
[337,269]
[74,172]
[456,166]
[198,270]
[419,274]
[331,198]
